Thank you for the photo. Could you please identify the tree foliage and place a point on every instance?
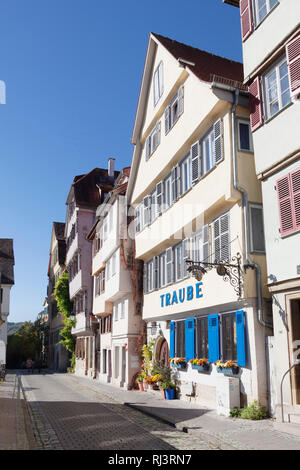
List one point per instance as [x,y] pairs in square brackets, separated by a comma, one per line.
[64,304]
[24,344]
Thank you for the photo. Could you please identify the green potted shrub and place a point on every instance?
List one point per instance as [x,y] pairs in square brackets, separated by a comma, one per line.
[170,389]
[140,380]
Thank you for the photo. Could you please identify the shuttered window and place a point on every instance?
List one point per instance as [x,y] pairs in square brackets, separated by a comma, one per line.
[229,337]
[189,339]
[200,245]
[196,162]
[185,174]
[257,236]
[152,141]
[293,63]
[221,238]
[174,110]
[288,194]
[201,338]
[158,83]
[180,338]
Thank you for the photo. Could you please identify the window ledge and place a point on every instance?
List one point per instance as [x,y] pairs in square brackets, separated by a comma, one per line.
[269,119]
[267,15]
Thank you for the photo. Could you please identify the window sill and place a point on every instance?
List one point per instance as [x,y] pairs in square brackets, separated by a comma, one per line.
[269,119]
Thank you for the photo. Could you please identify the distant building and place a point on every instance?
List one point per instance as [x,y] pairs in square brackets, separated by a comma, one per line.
[86,194]
[58,356]
[7,262]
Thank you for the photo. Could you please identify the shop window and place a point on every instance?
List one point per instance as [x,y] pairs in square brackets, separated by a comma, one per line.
[180,338]
[201,338]
[229,337]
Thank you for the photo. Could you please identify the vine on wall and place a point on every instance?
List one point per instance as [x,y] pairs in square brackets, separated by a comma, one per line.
[64,304]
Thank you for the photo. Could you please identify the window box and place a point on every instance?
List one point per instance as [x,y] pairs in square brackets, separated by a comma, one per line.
[202,365]
[178,363]
[204,368]
[228,370]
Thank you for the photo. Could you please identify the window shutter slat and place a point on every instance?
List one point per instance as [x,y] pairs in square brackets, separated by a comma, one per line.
[159,195]
[213,338]
[295,186]
[218,141]
[156,272]
[167,119]
[293,63]
[240,338]
[172,339]
[180,100]
[189,339]
[286,214]
[255,103]
[169,265]
[195,162]
[246,18]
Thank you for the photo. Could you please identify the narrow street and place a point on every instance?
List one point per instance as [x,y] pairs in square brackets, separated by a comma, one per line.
[71,416]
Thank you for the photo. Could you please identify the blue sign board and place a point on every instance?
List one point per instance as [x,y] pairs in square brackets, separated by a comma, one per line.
[182,295]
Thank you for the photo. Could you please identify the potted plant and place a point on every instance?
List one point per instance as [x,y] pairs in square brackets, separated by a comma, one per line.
[169,388]
[227,367]
[140,380]
[159,378]
[178,363]
[202,365]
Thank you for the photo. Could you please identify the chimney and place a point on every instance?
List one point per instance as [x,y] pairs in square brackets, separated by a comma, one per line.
[111,168]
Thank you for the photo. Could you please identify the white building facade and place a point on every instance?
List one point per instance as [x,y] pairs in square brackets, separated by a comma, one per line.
[271,50]
[6,282]
[196,198]
[115,297]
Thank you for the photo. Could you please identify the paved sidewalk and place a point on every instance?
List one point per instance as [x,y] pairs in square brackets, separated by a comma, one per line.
[16,432]
[217,431]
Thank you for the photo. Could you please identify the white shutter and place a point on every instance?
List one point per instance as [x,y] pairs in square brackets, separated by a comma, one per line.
[195,162]
[156,272]
[137,218]
[173,184]
[221,238]
[147,150]
[185,255]
[169,265]
[167,119]
[159,196]
[146,210]
[178,181]
[205,250]
[218,132]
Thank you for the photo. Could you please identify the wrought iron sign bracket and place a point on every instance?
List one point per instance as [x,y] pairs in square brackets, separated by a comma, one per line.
[230,271]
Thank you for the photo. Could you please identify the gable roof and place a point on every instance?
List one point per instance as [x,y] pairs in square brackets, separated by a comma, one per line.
[7,261]
[86,187]
[206,64]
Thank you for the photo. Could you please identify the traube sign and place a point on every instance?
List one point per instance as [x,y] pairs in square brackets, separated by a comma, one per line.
[182,295]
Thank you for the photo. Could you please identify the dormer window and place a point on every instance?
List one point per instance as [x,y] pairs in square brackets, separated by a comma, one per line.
[158,86]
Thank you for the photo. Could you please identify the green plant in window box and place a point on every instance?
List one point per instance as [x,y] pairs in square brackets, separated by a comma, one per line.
[200,364]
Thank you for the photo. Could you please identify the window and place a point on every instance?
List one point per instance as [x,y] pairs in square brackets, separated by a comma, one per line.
[211,149]
[201,343]
[257,236]
[178,262]
[158,84]
[262,8]
[245,136]
[162,269]
[208,153]
[116,312]
[277,89]
[221,238]
[180,338]
[229,337]
[200,245]
[122,307]
[153,207]
[168,191]
[153,140]
[174,110]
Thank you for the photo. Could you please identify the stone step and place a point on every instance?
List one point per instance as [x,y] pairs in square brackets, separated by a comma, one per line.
[294,418]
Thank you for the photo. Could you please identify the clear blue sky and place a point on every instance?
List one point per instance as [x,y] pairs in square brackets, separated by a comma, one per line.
[72,70]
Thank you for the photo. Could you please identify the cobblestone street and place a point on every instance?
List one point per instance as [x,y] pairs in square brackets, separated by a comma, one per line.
[72,416]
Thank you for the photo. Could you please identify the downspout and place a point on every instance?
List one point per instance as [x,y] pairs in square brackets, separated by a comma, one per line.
[249,262]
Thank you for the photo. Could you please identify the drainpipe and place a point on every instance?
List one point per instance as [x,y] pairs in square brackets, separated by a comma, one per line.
[249,262]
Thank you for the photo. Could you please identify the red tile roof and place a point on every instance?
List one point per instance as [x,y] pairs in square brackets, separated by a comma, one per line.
[206,64]
[86,190]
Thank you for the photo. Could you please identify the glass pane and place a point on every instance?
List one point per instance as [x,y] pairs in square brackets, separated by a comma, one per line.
[244,136]
[284,83]
[207,152]
[285,98]
[273,3]
[283,70]
[258,238]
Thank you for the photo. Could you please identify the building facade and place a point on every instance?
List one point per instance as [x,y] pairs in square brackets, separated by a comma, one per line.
[198,204]
[58,357]
[86,194]
[116,291]
[7,262]
[271,51]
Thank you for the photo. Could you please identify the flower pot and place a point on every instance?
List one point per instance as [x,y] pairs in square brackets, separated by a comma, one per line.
[141,386]
[170,394]
[203,368]
[163,393]
[228,370]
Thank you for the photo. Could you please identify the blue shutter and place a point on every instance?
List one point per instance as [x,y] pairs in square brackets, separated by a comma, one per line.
[172,339]
[189,339]
[213,338]
[240,334]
